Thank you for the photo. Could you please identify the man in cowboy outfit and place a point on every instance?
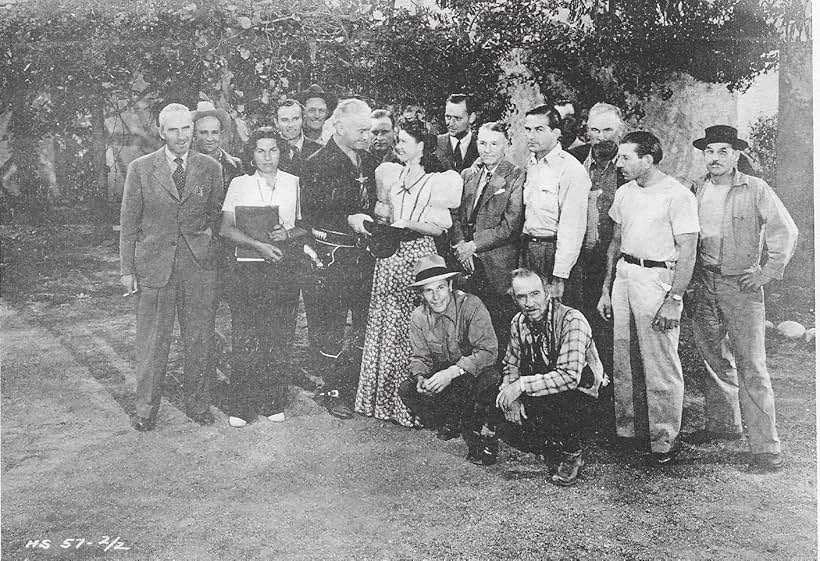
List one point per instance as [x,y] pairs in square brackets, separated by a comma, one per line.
[319,105]
[338,197]
[210,124]
[738,214]
[452,371]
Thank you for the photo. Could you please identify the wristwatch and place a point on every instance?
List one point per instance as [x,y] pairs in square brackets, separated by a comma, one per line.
[461,371]
[675,297]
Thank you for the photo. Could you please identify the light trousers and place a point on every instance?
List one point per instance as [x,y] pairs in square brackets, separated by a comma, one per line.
[729,327]
[647,372]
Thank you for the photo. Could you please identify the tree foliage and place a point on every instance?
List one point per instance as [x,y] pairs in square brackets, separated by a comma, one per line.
[70,63]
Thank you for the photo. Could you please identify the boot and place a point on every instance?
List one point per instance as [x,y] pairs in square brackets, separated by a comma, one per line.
[569,469]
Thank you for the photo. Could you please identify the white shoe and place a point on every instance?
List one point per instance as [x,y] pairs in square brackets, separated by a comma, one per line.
[237,422]
[277,417]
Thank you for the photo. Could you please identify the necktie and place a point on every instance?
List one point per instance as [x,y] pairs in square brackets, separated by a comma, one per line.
[458,160]
[295,154]
[482,187]
[179,176]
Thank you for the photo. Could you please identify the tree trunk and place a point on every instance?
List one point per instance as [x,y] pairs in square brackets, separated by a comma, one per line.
[99,191]
[794,172]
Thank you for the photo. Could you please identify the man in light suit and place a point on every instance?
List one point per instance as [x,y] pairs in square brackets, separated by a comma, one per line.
[168,258]
[487,229]
[457,149]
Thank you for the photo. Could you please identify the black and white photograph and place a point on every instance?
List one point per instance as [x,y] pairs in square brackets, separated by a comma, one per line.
[402,280]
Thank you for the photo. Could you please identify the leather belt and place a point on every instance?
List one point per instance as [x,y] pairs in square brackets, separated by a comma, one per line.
[538,239]
[711,268]
[331,237]
[643,262]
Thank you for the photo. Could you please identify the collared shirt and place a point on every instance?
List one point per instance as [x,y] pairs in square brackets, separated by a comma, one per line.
[170,156]
[568,338]
[462,335]
[555,204]
[465,143]
[253,190]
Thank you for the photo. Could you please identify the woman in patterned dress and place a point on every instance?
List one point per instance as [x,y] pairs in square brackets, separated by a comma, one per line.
[415,197]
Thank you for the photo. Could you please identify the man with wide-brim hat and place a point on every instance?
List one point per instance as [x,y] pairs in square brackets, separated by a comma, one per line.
[452,374]
[738,215]
[209,125]
[319,105]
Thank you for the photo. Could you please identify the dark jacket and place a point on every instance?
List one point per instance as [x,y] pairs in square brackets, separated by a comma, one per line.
[444,152]
[499,217]
[153,217]
[292,162]
[330,190]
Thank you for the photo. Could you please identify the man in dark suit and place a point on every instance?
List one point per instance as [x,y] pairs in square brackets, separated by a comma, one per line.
[168,258]
[457,149]
[338,197]
[486,233]
[290,117]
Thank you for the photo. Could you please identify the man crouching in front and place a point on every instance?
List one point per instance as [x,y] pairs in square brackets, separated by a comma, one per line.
[453,377]
[551,374]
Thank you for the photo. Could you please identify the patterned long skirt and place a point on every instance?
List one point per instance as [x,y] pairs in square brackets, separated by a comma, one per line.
[386,343]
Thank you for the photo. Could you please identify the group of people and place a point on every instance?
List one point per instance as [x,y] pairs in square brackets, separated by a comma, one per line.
[481,292]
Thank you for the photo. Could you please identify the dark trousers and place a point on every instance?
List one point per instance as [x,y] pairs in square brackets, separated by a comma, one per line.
[468,402]
[502,308]
[342,286]
[539,256]
[263,303]
[191,295]
[557,420]
[593,263]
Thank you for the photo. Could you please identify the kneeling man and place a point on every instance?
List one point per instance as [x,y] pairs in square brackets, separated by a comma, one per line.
[453,373]
[551,373]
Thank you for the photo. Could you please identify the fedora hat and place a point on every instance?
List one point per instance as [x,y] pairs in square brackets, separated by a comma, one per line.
[431,268]
[315,90]
[722,134]
[207,109]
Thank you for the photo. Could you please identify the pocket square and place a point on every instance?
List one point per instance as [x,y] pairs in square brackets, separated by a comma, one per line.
[502,190]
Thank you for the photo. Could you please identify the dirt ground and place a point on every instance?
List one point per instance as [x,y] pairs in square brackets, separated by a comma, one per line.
[318,488]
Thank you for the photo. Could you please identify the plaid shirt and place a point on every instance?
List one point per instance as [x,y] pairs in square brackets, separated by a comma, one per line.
[575,350]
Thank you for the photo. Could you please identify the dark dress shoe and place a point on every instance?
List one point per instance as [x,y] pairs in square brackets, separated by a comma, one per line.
[568,470]
[447,432]
[661,459]
[483,451]
[338,408]
[767,462]
[706,436]
[143,424]
[203,418]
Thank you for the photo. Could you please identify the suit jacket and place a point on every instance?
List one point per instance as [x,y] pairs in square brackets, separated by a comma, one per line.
[330,192]
[153,218]
[444,152]
[295,165]
[499,218]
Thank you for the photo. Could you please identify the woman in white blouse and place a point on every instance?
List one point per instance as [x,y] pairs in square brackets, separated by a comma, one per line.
[415,197]
[262,294]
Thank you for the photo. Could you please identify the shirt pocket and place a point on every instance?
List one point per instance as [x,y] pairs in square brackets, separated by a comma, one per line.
[437,350]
